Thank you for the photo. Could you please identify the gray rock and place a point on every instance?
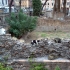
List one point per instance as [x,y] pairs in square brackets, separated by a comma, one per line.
[57,40]
[52,56]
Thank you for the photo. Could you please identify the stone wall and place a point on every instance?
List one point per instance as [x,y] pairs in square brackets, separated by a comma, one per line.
[2,20]
[18,53]
[14,49]
[49,64]
[6,43]
[49,24]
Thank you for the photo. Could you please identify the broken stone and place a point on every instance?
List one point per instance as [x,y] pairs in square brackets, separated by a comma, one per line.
[57,40]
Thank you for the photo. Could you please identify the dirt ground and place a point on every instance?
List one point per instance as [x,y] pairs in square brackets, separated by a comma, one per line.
[39,35]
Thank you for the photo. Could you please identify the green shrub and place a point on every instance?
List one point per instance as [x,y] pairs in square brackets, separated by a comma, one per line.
[36,7]
[3,67]
[40,66]
[21,23]
[57,68]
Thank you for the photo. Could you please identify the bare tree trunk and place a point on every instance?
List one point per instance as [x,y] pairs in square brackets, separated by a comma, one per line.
[64,7]
[56,8]
[58,5]
[10,4]
[19,4]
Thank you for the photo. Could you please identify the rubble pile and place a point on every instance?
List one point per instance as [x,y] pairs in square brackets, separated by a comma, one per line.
[14,49]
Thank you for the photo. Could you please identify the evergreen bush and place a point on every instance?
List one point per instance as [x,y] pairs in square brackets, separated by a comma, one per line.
[37,5]
[57,68]
[21,23]
[3,67]
[39,66]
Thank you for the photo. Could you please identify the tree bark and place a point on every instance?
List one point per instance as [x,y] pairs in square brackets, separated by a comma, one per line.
[19,4]
[57,6]
[64,7]
[10,4]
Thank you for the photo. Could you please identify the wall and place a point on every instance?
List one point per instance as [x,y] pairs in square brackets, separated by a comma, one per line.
[49,64]
[49,24]
[53,49]
[3,3]
[2,20]
[18,53]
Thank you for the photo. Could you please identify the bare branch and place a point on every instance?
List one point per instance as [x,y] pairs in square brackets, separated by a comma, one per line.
[44,4]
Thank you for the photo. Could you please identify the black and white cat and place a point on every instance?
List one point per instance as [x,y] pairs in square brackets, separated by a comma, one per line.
[33,42]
